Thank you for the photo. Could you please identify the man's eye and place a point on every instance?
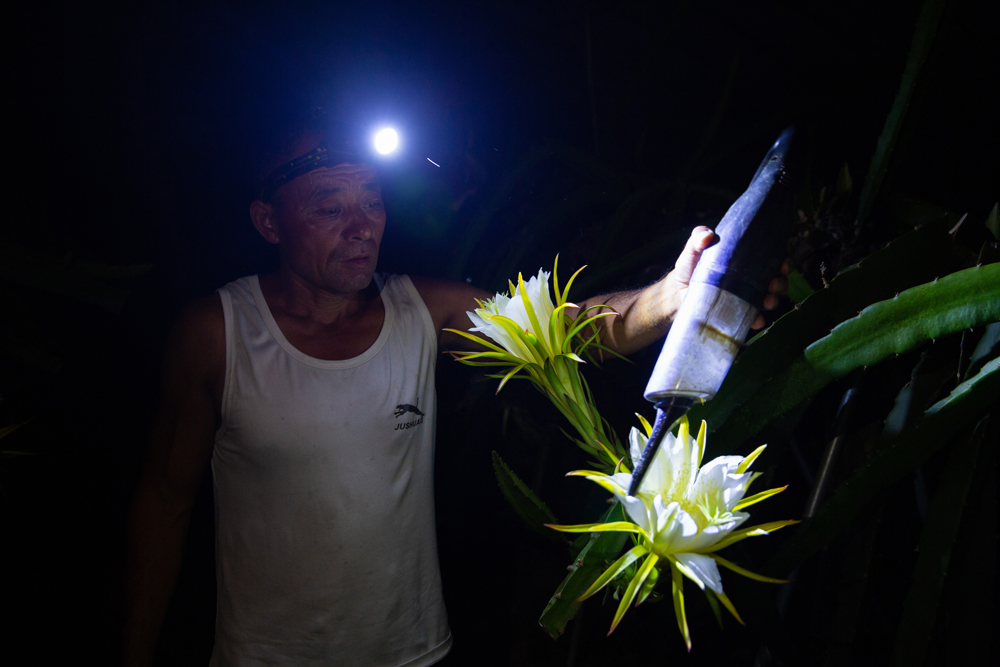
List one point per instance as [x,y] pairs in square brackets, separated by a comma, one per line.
[374,204]
[331,211]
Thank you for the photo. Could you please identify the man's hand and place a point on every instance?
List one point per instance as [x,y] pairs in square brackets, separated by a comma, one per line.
[701,239]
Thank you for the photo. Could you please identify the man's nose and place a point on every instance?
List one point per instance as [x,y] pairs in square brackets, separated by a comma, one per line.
[359,226]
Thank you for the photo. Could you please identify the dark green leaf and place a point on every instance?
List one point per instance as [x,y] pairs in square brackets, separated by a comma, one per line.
[970,610]
[798,288]
[909,451]
[925,382]
[993,222]
[922,601]
[600,551]
[527,505]
[850,593]
[988,348]
[844,181]
[927,24]
[959,301]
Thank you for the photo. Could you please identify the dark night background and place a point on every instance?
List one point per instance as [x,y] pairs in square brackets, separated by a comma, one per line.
[128,138]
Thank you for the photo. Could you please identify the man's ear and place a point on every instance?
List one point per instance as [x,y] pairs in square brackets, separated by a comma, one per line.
[264,222]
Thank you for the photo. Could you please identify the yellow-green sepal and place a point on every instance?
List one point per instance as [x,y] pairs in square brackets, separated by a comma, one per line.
[753,531]
[614,526]
[724,599]
[745,465]
[746,573]
[756,498]
[633,589]
[677,586]
[614,570]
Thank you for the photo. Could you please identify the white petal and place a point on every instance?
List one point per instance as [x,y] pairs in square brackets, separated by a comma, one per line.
[638,511]
[515,311]
[542,302]
[704,568]
[500,336]
[660,471]
[622,479]
[712,534]
[679,529]
[636,443]
[664,515]
[719,480]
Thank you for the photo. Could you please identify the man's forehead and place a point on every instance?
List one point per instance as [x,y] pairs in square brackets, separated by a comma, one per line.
[338,178]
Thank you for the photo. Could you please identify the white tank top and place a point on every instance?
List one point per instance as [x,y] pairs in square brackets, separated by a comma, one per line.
[324,504]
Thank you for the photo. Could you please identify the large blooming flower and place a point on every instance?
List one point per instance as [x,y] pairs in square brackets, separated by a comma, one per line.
[531,309]
[533,337]
[684,512]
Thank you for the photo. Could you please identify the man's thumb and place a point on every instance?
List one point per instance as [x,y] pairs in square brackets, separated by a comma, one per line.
[700,240]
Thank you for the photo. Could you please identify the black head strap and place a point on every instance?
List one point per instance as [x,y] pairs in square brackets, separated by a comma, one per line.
[326,154]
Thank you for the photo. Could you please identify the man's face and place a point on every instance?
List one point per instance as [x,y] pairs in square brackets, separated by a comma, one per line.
[330,223]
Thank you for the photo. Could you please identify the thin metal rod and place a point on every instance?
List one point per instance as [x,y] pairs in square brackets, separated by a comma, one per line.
[668,411]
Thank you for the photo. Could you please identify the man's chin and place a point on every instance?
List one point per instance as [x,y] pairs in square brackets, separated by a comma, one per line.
[356,281]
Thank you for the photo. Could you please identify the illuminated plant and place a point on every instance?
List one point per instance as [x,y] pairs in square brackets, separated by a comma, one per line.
[683,514]
[535,338]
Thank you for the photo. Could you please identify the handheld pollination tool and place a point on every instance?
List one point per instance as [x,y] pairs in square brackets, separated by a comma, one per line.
[723,297]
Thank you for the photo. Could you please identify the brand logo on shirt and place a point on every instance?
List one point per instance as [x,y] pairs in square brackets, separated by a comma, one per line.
[402,409]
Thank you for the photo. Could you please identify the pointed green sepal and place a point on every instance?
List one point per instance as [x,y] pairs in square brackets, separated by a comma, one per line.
[678,593]
[614,570]
[750,459]
[746,573]
[753,531]
[756,498]
[614,526]
[646,426]
[633,589]
[724,599]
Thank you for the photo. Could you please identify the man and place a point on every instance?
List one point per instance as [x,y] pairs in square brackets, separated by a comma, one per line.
[310,392]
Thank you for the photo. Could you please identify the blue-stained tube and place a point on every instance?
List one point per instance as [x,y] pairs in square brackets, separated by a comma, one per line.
[724,296]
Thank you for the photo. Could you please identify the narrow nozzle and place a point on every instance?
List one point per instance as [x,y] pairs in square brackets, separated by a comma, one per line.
[668,411]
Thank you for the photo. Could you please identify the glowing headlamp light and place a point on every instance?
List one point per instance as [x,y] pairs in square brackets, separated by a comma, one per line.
[386,140]
[333,150]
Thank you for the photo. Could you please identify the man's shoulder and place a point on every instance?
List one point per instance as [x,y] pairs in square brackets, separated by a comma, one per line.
[198,337]
[204,315]
[448,300]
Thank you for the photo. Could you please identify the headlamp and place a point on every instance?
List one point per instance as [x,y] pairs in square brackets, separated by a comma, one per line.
[334,149]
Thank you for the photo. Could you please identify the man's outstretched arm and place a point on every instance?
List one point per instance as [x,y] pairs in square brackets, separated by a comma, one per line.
[645,314]
[180,448]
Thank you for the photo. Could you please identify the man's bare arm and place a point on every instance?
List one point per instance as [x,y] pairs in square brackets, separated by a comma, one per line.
[644,314]
[180,448]
[448,302]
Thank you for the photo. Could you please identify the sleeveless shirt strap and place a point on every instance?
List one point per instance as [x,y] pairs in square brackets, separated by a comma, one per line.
[425,313]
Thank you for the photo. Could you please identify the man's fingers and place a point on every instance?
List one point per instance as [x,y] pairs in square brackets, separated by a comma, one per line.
[700,240]
[786,266]
[758,323]
[770,302]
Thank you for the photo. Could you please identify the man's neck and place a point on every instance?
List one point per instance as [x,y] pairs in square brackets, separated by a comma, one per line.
[293,296]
